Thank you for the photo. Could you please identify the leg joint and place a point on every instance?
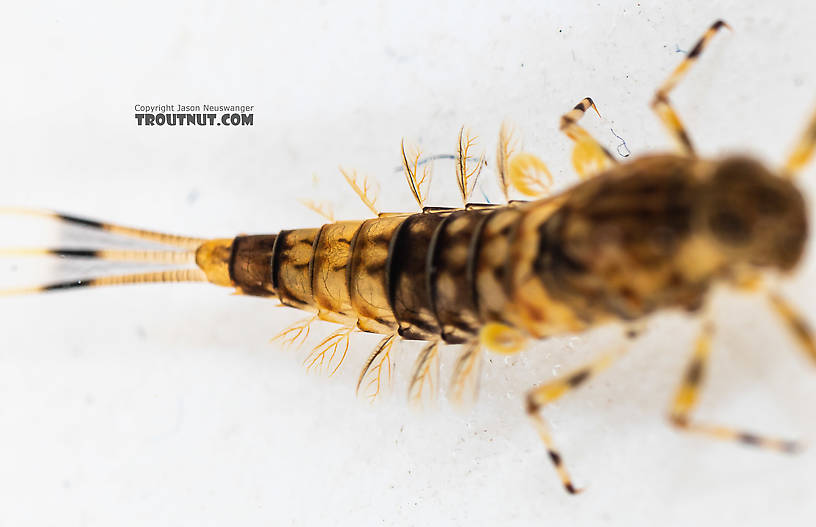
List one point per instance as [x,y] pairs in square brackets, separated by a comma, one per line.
[678,420]
[531,405]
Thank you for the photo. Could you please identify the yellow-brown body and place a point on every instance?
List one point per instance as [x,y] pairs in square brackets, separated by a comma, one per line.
[628,241]
[648,235]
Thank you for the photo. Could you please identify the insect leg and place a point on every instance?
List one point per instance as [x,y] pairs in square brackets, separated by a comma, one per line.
[803,150]
[795,323]
[547,393]
[686,398]
[588,156]
[661,104]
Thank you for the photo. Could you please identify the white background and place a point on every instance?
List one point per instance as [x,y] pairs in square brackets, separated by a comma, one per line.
[166,405]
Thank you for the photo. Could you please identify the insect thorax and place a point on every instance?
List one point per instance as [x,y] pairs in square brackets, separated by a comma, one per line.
[650,235]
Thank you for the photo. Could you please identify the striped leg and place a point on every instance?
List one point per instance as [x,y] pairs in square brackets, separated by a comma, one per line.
[688,393]
[661,104]
[796,324]
[588,156]
[803,150]
[547,393]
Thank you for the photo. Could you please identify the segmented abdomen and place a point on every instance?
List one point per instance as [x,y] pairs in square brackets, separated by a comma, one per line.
[427,275]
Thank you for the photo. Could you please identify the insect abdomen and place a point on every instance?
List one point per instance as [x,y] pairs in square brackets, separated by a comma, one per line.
[249,264]
[408,289]
[427,276]
[367,272]
[329,268]
[617,247]
[450,275]
[291,267]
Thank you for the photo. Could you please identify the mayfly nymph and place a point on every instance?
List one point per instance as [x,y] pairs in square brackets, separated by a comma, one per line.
[628,241]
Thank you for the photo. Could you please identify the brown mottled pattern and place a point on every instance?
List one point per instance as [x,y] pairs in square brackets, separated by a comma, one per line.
[617,248]
[366,274]
[408,290]
[490,262]
[332,254]
[531,307]
[450,291]
[415,273]
[652,234]
[293,254]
